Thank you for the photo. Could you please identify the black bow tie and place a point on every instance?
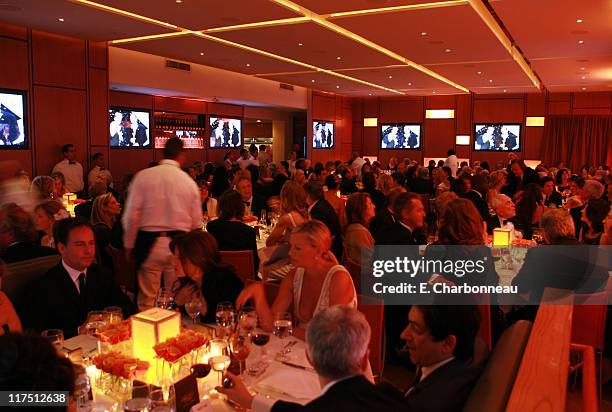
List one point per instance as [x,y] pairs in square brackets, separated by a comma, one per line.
[71,163]
[247,203]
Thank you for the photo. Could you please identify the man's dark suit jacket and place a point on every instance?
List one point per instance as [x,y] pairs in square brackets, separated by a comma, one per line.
[554,199]
[493,223]
[21,251]
[445,390]
[576,214]
[479,201]
[398,234]
[515,184]
[325,213]
[232,235]
[422,186]
[53,302]
[354,394]
[566,265]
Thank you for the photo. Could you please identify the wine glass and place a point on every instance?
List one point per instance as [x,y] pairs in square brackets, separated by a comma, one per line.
[161,400]
[193,307]
[247,319]
[113,314]
[225,316]
[55,336]
[262,219]
[240,346]
[283,327]
[219,356]
[260,339]
[201,371]
[165,299]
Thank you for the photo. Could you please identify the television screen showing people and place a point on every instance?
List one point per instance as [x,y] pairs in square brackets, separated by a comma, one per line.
[322,135]
[129,128]
[12,120]
[400,136]
[225,132]
[497,136]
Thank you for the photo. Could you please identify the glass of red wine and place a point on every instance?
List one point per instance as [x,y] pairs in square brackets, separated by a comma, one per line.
[260,339]
[201,371]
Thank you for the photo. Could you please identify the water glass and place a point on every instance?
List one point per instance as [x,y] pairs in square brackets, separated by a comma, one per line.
[225,316]
[193,307]
[113,314]
[55,336]
[283,326]
[165,298]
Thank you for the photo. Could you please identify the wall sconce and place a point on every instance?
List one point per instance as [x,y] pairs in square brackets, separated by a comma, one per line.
[502,237]
[462,140]
[439,114]
[370,122]
[534,121]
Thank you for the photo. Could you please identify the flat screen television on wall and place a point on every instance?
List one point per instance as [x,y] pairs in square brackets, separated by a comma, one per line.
[13,131]
[400,136]
[322,134]
[129,128]
[225,132]
[499,137]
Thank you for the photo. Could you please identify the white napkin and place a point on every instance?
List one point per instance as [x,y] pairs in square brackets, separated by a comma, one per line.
[292,383]
[86,342]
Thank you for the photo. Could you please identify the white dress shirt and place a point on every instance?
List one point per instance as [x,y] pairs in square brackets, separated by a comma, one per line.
[98,173]
[248,208]
[162,198]
[452,162]
[74,274]
[73,173]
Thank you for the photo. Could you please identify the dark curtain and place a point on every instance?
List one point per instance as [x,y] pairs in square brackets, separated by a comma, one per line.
[578,140]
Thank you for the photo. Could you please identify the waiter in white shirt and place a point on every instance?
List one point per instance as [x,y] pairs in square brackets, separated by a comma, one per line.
[71,169]
[99,171]
[163,202]
[452,162]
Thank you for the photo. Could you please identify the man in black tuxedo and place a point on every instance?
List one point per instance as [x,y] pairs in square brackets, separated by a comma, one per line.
[408,226]
[519,177]
[337,346]
[552,198]
[252,204]
[505,213]
[440,341]
[476,194]
[320,209]
[62,298]
[384,219]
[18,236]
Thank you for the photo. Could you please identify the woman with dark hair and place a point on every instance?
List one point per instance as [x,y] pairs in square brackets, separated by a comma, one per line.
[562,181]
[369,187]
[32,363]
[228,230]
[106,226]
[357,237]
[331,195]
[462,228]
[200,272]
[593,216]
[529,209]
[220,183]
[209,204]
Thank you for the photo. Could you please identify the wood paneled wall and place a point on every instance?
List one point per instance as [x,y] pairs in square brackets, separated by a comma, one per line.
[332,108]
[66,83]
[438,135]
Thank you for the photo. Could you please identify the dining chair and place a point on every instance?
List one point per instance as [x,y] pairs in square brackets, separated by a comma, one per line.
[20,275]
[374,311]
[241,261]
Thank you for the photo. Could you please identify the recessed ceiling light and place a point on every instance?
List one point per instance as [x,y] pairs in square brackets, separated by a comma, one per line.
[479,72]
[337,87]
[423,33]
[60,19]
[583,77]
[582,68]
[201,53]
[312,80]
[434,92]
[490,81]
[179,1]
[447,50]
[580,41]
[338,58]
[390,77]
[258,121]
[409,84]
[248,65]
[369,94]
[584,88]
[579,21]
[505,90]
[300,44]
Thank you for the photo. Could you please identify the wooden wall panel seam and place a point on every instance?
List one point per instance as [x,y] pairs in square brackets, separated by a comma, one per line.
[62,87]
[14,38]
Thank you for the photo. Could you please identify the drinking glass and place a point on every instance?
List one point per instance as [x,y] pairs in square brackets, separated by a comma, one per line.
[225,316]
[260,339]
[247,319]
[262,219]
[283,327]
[113,314]
[96,319]
[201,371]
[193,307]
[55,336]
[220,364]
[165,298]
[241,348]
[162,400]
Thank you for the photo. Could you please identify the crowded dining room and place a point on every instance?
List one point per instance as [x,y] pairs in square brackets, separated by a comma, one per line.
[289,205]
